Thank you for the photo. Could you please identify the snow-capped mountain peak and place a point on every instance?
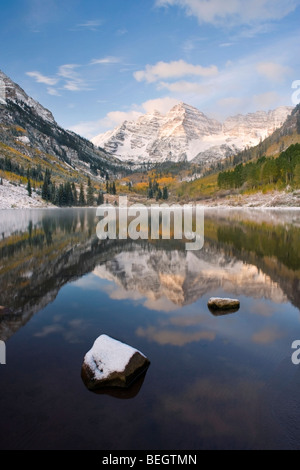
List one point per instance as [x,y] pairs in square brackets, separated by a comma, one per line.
[185,133]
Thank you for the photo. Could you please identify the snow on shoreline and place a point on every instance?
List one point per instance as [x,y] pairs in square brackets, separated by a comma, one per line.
[16,197]
[272,200]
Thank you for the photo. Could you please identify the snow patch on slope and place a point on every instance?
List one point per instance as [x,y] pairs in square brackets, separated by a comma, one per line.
[11,91]
[16,197]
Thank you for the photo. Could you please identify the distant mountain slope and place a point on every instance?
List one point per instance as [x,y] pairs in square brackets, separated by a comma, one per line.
[286,135]
[186,134]
[30,129]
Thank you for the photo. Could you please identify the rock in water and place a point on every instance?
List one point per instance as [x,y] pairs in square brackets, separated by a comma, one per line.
[111,363]
[216,303]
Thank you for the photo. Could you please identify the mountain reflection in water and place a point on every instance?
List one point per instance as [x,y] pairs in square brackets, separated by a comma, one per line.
[215,382]
[41,251]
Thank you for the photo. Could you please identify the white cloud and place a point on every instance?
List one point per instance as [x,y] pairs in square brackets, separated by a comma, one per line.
[231,102]
[268,100]
[238,87]
[163,105]
[256,102]
[66,74]
[106,60]
[87,129]
[121,32]
[192,43]
[185,87]
[175,69]
[68,70]
[73,81]
[226,44]
[233,12]
[115,118]
[91,25]
[53,92]
[40,78]
[273,71]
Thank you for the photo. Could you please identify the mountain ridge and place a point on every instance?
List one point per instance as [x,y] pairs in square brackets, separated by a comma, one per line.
[27,129]
[187,134]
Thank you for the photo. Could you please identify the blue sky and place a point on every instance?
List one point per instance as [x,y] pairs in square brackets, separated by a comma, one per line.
[95,63]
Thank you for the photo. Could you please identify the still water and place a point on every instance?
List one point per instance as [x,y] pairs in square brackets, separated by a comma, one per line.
[215,382]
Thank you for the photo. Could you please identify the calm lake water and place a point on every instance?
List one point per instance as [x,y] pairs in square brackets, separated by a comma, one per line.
[215,382]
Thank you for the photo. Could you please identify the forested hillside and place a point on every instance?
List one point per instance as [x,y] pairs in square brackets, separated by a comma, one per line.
[281,171]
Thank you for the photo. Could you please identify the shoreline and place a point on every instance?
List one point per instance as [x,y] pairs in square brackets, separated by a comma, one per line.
[14,197]
[205,206]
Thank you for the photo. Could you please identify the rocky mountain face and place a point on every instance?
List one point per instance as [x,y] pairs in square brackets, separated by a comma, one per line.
[186,134]
[26,126]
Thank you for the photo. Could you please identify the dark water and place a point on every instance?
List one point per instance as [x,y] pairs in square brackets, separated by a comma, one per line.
[215,382]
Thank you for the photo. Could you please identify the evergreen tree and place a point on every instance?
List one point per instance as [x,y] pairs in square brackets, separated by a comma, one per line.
[297,175]
[165,193]
[46,189]
[53,194]
[100,199]
[114,190]
[155,187]
[150,193]
[62,195]
[29,187]
[90,195]
[298,123]
[68,194]
[75,195]
[81,196]
[159,194]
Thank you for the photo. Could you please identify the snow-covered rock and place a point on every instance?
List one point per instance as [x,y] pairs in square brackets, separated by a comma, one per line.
[111,363]
[23,139]
[185,133]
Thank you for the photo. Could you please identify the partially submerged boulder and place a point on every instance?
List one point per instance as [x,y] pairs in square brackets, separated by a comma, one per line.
[217,303]
[111,363]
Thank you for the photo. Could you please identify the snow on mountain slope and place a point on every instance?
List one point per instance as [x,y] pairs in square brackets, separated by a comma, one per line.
[13,196]
[29,128]
[185,133]
[12,91]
